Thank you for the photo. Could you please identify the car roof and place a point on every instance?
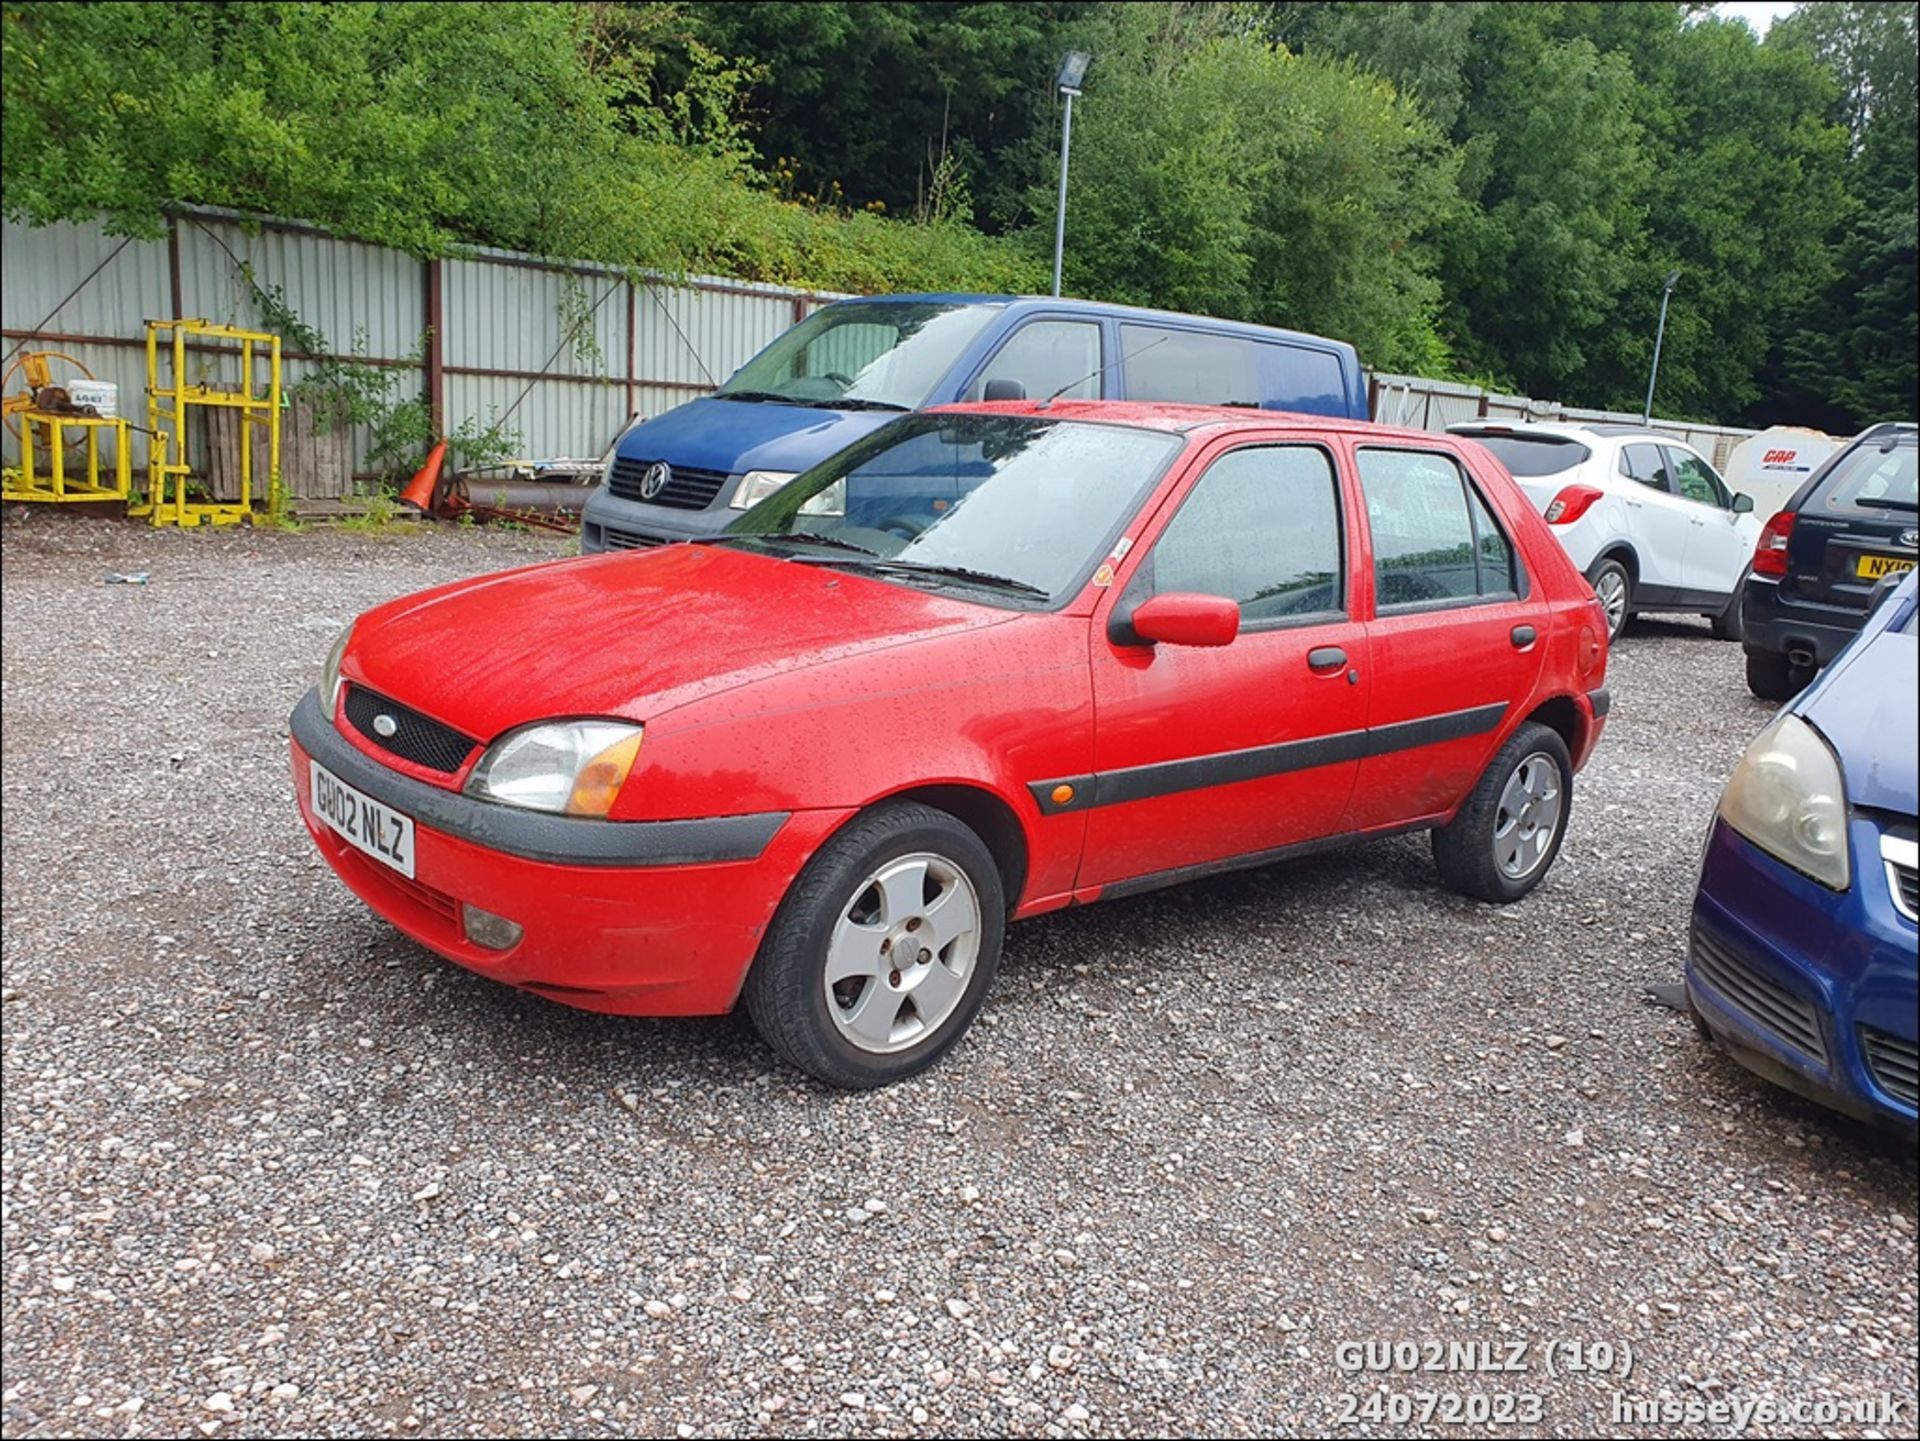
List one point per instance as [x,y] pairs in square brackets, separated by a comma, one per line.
[1188,419]
[1561,430]
[1113,310]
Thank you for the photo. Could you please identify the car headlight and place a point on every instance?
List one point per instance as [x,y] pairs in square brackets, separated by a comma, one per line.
[330,671]
[572,768]
[1787,797]
[757,485]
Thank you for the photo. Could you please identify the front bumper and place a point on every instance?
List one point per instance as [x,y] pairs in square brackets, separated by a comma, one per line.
[610,523]
[1813,990]
[657,918]
[1794,627]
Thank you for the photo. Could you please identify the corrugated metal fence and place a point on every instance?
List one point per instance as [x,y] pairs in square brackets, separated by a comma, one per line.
[1436,404]
[472,334]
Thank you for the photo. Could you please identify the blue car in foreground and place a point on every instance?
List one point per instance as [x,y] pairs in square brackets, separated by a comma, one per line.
[1802,953]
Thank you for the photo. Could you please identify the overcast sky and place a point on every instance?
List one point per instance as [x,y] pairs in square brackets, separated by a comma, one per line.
[1758,13]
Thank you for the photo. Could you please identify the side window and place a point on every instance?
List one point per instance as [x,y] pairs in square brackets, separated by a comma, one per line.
[1308,381]
[1433,537]
[1646,464]
[1188,366]
[1261,527]
[1045,356]
[1694,479]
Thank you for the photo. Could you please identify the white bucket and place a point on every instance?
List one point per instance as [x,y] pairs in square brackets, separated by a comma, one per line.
[101,396]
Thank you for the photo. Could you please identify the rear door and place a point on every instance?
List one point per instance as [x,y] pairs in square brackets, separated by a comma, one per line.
[1857,524]
[1658,522]
[1719,543]
[1454,640]
[1206,754]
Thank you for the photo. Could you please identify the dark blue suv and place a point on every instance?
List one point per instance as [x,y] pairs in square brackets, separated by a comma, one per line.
[1802,956]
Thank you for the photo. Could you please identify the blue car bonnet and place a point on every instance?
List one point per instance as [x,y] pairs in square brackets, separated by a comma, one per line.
[731,436]
[1864,706]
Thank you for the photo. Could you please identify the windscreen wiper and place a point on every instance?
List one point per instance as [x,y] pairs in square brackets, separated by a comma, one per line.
[809,537]
[984,578]
[847,402]
[757,397]
[1881,502]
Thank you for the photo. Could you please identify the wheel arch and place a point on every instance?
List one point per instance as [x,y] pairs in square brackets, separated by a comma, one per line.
[987,814]
[1622,551]
[1562,715]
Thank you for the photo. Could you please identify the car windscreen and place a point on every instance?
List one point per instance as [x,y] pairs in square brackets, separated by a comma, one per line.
[1532,455]
[1874,478]
[1007,508]
[884,354]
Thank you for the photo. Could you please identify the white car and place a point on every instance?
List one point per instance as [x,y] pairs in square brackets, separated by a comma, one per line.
[1650,522]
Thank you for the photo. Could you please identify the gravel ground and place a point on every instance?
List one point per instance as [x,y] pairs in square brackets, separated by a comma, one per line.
[270,1168]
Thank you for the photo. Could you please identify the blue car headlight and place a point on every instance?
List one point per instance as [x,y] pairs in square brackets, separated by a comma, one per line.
[1788,798]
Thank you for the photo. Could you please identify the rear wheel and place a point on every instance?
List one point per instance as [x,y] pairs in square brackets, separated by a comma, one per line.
[1506,835]
[1771,676]
[1614,586]
[883,950]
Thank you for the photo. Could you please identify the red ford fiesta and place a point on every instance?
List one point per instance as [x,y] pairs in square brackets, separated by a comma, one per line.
[988,662]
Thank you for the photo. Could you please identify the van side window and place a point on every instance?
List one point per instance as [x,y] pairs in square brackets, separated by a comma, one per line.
[1308,381]
[1261,527]
[1433,537]
[1189,367]
[1045,356]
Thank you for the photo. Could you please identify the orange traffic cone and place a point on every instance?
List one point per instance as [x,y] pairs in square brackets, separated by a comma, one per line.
[419,491]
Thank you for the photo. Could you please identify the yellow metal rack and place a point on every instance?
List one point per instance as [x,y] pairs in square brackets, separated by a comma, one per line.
[167,465]
[26,483]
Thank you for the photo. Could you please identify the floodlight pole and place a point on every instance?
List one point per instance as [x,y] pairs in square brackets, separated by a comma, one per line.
[1653,374]
[1060,216]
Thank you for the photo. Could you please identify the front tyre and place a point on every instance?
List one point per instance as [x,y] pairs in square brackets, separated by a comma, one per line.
[1506,835]
[882,952]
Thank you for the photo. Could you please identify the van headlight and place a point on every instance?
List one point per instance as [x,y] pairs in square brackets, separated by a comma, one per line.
[330,671]
[571,768]
[1787,797]
[756,485]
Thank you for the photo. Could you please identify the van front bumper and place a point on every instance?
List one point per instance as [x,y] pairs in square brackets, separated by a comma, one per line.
[610,523]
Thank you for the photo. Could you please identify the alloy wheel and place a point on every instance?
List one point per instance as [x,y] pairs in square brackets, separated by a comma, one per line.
[902,952]
[1529,816]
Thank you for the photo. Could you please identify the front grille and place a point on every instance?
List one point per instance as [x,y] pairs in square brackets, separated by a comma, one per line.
[616,539]
[685,489]
[1895,1063]
[416,738]
[1770,1004]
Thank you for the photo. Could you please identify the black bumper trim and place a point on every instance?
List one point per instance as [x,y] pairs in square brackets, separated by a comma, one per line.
[1601,700]
[562,840]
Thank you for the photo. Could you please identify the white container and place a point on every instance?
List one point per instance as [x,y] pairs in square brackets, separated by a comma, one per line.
[1770,466]
[101,396]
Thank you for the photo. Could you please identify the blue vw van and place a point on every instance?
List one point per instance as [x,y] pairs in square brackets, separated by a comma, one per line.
[840,373]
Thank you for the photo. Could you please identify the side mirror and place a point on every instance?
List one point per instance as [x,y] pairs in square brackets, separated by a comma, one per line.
[1004,389]
[1183,618]
[1742,503]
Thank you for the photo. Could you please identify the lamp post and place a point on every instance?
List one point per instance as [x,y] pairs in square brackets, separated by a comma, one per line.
[1666,294]
[1073,71]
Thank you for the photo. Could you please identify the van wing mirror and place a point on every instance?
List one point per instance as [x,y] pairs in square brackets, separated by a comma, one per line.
[1002,388]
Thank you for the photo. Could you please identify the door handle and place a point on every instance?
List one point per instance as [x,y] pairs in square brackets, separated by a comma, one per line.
[1326,658]
[1523,636]
[1635,504]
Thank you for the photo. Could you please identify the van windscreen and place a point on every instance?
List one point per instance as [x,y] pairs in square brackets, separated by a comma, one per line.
[867,355]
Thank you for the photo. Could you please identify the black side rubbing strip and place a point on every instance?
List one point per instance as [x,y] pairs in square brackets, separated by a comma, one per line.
[1172,777]
[565,840]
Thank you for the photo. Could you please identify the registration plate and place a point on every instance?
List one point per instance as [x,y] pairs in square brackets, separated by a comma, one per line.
[1872,567]
[361,821]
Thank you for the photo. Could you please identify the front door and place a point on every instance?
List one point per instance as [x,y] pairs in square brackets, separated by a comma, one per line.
[1657,519]
[1207,754]
[1718,545]
[1452,641]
